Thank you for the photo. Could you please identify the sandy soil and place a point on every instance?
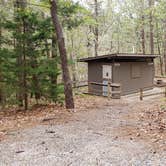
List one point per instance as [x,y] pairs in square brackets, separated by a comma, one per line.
[102,133]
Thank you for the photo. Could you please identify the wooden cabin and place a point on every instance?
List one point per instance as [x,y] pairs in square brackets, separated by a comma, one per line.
[131,71]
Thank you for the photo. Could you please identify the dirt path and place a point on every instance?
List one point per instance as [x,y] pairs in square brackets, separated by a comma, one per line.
[89,138]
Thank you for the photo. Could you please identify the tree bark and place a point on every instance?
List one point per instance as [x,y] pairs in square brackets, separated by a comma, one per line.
[165,44]
[34,64]
[151,5]
[73,66]
[24,61]
[159,50]
[22,96]
[25,95]
[18,48]
[142,29]
[53,77]
[96,30]
[63,55]
[1,77]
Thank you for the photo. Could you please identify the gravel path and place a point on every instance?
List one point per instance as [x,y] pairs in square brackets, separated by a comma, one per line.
[89,139]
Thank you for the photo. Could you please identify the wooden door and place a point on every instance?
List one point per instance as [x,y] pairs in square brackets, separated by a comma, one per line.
[107,76]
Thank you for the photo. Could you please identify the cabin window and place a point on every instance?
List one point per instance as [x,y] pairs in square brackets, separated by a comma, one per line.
[135,71]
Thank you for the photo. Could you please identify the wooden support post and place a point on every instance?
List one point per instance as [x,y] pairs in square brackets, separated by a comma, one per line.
[89,87]
[120,89]
[109,89]
[165,92]
[141,94]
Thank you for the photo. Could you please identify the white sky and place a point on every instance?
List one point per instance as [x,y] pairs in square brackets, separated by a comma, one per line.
[80,1]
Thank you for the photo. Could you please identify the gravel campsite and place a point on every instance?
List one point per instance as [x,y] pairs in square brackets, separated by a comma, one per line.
[114,132]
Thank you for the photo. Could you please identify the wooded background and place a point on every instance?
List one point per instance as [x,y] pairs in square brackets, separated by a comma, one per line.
[30,63]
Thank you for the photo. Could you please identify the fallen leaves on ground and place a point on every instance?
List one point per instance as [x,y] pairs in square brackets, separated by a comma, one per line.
[154,125]
[13,118]
[148,122]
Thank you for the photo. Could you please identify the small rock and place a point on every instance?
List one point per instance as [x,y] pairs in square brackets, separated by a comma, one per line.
[138,134]
[116,138]
[50,131]
[20,151]
[43,142]
[154,152]
[71,151]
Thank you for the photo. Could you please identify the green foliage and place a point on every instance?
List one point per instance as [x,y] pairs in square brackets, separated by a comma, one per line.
[71,13]
[29,60]
[31,43]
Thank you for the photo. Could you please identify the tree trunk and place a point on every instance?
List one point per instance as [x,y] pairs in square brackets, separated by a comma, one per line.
[143,38]
[21,56]
[88,41]
[35,80]
[96,30]
[25,95]
[33,63]
[73,66]
[1,77]
[63,55]
[25,28]
[18,48]
[151,5]
[165,44]
[53,77]
[142,29]
[159,50]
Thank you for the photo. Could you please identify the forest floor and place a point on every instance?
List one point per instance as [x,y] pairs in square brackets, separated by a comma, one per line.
[100,132]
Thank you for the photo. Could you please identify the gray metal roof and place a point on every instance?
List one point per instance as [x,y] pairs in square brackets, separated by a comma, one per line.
[118,56]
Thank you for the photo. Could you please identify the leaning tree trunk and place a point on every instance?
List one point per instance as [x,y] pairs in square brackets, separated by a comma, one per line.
[63,55]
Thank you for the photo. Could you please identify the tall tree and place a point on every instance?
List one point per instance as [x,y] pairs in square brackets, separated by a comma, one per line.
[21,50]
[143,27]
[164,43]
[151,26]
[1,77]
[63,55]
[18,47]
[96,29]
[54,74]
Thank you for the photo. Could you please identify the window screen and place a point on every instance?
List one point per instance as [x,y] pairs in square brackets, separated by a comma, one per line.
[135,71]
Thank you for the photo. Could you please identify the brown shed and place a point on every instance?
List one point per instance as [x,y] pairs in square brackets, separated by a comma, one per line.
[132,71]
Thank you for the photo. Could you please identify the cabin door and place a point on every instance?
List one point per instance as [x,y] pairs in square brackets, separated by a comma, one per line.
[107,76]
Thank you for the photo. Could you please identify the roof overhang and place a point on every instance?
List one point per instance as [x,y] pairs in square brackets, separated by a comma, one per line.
[119,56]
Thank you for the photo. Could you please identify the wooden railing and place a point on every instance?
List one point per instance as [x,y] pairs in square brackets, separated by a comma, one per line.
[92,90]
[157,76]
[110,93]
[79,84]
[142,90]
